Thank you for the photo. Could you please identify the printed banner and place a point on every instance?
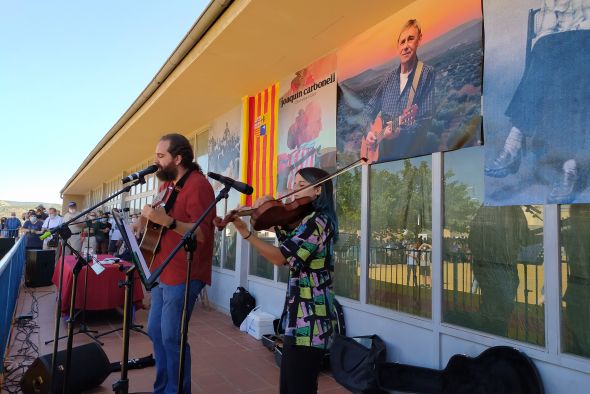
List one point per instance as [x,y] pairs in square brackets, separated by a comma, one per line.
[224,149]
[411,85]
[307,121]
[260,164]
[537,95]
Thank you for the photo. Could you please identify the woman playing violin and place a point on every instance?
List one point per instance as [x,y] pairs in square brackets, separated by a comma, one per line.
[307,248]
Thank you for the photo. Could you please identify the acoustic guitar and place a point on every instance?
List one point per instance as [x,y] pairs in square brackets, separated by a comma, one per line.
[371,152]
[153,231]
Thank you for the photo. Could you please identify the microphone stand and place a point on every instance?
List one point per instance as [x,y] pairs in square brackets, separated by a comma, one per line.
[83,327]
[190,246]
[80,263]
[64,233]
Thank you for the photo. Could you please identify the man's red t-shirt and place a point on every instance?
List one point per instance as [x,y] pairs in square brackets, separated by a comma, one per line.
[192,200]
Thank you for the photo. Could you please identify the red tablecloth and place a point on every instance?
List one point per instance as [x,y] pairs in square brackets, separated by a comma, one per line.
[103,291]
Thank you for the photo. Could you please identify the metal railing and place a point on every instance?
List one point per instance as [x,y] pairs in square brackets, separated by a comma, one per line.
[11,273]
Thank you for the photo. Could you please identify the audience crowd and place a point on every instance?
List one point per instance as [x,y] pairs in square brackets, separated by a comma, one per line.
[96,232]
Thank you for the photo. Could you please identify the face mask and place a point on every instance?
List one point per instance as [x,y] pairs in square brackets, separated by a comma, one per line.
[71,210]
[52,215]
[33,219]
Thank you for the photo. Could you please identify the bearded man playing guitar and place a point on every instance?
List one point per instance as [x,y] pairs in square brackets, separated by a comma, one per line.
[187,195]
[405,100]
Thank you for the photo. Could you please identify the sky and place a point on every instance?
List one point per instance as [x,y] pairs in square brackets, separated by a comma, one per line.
[68,71]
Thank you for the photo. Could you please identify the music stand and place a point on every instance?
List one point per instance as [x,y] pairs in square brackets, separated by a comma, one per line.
[125,232]
[139,264]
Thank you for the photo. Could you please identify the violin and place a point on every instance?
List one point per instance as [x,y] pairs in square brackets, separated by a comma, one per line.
[276,213]
[272,213]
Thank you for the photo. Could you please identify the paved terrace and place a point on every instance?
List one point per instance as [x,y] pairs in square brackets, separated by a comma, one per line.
[224,360]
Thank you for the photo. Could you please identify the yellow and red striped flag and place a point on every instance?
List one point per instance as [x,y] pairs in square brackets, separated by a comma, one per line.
[261,143]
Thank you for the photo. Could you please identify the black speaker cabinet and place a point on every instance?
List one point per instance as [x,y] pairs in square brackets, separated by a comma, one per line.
[39,268]
[90,367]
[5,245]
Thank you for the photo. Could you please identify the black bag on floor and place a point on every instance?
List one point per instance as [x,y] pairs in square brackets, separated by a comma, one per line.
[355,362]
[240,304]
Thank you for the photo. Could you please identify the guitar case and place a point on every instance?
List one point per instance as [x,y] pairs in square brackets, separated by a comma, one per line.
[497,370]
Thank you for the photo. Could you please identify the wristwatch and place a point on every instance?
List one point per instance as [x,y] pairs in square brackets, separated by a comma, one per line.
[172,225]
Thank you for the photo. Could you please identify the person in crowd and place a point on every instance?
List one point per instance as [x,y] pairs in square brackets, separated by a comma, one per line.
[191,195]
[101,232]
[307,249]
[3,228]
[41,212]
[32,229]
[88,235]
[13,224]
[116,238]
[76,228]
[406,115]
[52,221]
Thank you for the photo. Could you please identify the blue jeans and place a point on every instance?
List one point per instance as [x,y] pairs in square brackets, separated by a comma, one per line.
[164,325]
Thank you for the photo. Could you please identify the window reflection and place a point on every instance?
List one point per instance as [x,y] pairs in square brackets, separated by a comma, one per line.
[346,249]
[259,266]
[400,236]
[492,256]
[575,279]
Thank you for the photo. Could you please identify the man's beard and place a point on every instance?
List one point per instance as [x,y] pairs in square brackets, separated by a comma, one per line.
[168,173]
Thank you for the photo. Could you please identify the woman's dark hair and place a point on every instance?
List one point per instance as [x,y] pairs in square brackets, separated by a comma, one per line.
[325,201]
[179,145]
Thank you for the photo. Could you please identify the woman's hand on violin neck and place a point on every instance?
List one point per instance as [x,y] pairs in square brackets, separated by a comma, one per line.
[262,200]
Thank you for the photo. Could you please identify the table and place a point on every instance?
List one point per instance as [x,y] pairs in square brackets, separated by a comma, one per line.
[103,291]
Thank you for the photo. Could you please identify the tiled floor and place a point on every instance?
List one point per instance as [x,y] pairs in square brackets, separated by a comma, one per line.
[224,360]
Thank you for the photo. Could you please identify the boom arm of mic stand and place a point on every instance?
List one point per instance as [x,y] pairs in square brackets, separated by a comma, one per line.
[152,281]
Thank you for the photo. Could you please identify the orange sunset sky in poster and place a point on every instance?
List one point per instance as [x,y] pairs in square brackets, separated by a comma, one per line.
[379,44]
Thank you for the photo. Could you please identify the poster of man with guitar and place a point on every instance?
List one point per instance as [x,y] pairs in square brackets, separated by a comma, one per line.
[410,85]
[186,195]
[399,115]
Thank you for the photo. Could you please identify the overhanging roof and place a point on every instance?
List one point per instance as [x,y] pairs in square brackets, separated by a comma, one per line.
[250,44]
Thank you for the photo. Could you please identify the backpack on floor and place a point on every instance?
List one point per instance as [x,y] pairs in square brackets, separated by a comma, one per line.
[240,304]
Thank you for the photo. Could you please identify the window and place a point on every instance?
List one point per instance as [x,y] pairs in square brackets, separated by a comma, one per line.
[224,253]
[575,279]
[259,266]
[399,275]
[492,256]
[346,249]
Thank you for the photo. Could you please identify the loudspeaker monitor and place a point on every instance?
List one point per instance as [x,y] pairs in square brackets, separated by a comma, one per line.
[90,367]
[39,268]
[5,245]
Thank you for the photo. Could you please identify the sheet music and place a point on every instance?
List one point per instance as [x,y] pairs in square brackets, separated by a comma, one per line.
[137,251]
[96,266]
[131,242]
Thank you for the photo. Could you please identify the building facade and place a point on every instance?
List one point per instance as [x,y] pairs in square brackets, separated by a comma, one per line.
[413,232]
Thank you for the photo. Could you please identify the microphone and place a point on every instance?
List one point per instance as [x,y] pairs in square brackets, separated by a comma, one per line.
[239,186]
[140,174]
